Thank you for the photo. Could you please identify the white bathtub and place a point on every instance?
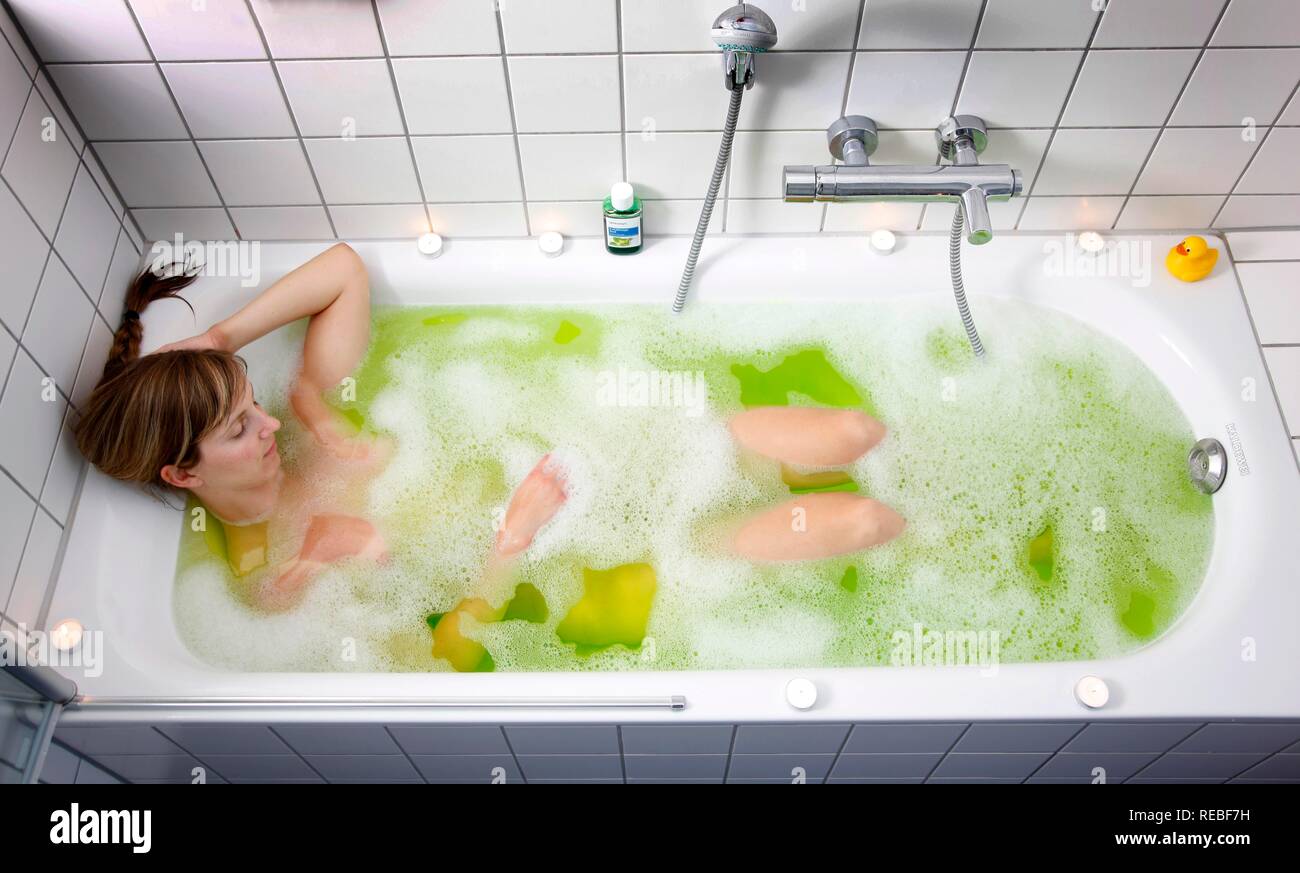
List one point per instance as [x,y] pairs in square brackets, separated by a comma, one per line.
[117,573]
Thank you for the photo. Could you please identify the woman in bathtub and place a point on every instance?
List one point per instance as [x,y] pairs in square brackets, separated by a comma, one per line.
[184,417]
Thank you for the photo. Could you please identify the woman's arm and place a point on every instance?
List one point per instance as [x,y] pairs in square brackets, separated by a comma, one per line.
[334,291]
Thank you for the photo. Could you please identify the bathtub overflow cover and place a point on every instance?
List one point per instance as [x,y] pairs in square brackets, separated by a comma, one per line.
[1207,464]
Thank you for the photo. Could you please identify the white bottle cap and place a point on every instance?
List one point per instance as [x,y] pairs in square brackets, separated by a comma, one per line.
[620,196]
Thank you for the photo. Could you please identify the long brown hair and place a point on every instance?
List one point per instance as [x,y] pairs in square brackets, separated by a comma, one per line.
[149,412]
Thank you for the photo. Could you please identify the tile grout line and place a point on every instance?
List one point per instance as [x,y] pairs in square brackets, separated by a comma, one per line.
[848,83]
[405,754]
[1255,154]
[731,754]
[1069,92]
[401,114]
[956,98]
[184,122]
[300,755]
[523,777]
[1051,756]
[1173,107]
[838,754]
[944,756]
[514,122]
[293,118]
[1199,727]
[622,88]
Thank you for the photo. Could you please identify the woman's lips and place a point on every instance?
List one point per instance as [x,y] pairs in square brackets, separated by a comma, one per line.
[270,450]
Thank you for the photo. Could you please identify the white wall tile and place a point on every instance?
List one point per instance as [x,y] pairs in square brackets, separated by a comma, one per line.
[866,217]
[182,30]
[1259,22]
[7,349]
[757,159]
[14,87]
[1230,85]
[19,46]
[16,510]
[1034,24]
[34,573]
[1094,161]
[158,174]
[1275,168]
[675,92]
[40,172]
[570,166]
[81,30]
[559,26]
[27,445]
[466,168]
[771,216]
[565,94]
[66,127]
[282,222]
[260,172]
[318,28]
[1195,161]
[1070,213]
[379,222]
[806,90]
[56,330]
[904,89]
[918,24]
[1148,23]
[1284,367]
[332,98]
[1119,88]
[65,469]
[418,27]
[23,252]
[1169,213]
[1273,294]
[684,25]
[1292,113]
[478,219]
[572,218]
[91,162]
[1264,245]
[88,233]
[453,95]
[375,170]
[119,101]
[1253,210]
[230,100]
[1005,214]
[91,367]
[655,165]
[125,265]
[681,217]
[198,224]
[1017,89]
[904,147]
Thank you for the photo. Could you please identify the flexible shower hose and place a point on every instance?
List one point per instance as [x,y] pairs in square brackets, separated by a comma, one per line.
[719,170]
[959,287]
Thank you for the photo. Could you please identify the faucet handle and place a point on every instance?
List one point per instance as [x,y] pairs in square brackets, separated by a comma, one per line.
[852,139]
[961,138]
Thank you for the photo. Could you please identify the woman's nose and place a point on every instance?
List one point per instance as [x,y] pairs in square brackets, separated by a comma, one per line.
[271,425]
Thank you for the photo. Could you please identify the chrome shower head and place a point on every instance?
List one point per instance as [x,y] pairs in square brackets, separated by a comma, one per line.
[741,32]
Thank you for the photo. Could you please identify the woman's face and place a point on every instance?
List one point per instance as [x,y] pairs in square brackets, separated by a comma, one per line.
[241,453]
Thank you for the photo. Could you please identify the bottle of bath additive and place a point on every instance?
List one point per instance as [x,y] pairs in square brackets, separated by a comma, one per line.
[622,220]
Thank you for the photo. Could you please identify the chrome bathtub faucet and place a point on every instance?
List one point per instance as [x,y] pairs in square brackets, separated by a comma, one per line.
[967,182]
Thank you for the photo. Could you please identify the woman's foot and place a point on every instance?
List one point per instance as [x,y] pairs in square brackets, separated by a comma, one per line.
[807,436]
[816,526]
[533,504]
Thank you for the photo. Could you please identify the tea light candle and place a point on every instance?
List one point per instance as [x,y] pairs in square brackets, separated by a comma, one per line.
[551,243]
[883,241]
[429,244]
[65,635]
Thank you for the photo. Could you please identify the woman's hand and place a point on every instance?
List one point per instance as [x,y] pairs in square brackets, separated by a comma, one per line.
[210,339]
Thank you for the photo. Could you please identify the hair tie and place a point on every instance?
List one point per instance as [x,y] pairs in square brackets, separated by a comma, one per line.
[130,315]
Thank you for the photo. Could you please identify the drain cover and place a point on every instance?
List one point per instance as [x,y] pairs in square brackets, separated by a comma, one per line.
[1207,464]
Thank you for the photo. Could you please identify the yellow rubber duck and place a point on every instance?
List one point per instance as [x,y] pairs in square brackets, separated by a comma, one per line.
[1191,260]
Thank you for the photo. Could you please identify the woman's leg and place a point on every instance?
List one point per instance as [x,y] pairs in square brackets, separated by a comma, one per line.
[807,436]
[816,526]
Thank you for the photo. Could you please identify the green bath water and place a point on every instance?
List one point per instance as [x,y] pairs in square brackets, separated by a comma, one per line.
[1045,491]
